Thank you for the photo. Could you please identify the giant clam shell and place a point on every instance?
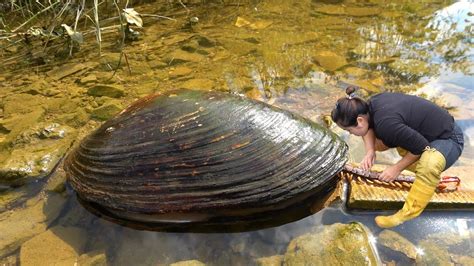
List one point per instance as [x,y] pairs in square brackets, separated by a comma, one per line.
[194,160]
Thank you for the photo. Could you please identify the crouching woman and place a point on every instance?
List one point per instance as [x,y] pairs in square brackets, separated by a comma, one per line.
[426,136]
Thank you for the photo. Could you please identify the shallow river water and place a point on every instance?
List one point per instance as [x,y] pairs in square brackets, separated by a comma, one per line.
[297,55]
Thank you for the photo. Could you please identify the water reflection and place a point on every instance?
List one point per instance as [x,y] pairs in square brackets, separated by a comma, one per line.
[293,54]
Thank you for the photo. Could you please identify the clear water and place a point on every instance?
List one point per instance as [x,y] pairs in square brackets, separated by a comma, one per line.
[271,58]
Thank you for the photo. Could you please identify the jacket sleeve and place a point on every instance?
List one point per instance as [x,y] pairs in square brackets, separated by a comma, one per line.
[398,134]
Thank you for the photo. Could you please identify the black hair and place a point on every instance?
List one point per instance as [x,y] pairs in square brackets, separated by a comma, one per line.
[348,108]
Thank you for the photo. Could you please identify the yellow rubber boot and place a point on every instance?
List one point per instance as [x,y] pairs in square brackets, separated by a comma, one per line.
[428,172]
[402,152]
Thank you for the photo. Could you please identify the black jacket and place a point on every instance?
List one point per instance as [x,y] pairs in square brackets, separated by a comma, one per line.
[408,121]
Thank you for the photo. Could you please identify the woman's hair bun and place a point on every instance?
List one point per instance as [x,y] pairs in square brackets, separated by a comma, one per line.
[350,90]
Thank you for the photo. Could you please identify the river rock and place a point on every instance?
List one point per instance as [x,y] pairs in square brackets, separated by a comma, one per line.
[462,260]
[363,11]
[12,260]
[57,246]
[202,84]
[276,260]
[96,258]
[331,10]
[179,56]
[180,72]
[112,91]
[355,72]
[22,103]
[76,120]
[15,124]
[22,224]
[396,242]
[188,263]
[239,47]
[331,245]
[111,61]
[433,254]
[341,10]
[364,84]
[107,110]
[330,60]
[88,79]
[8,195]
[36,152]
[205,41]
[68,69]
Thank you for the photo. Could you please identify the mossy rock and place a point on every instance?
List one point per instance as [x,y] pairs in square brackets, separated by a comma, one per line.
[332,245]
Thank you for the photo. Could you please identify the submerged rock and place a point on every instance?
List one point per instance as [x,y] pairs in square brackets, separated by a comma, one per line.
[107,110]
[96,258]
[363,11]
[203,84]
[69,69]
[188,263]
[22,103]
[76,120]
[22,224]
[331,10]
[239,47]
[180,72]
[364,84]
[333,244]
[396,242]
[356,72]
[57,246]
[462,260]
[330,60]
[180,56]
[12,260]
[433,254]
[111,91]
[276,260]
[14,125]
[341,10]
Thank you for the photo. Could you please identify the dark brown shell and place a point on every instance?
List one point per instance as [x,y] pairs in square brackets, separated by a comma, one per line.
[205,160]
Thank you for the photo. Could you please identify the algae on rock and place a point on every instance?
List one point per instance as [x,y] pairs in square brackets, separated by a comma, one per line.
[332,245]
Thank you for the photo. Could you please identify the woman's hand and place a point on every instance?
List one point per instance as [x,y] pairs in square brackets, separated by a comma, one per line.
[389,174]
[368,161]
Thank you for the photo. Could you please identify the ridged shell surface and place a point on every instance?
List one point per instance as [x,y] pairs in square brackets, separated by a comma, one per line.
[194,157]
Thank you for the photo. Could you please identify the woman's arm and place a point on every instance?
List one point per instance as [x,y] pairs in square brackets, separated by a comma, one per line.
[369,143]
[391,172]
